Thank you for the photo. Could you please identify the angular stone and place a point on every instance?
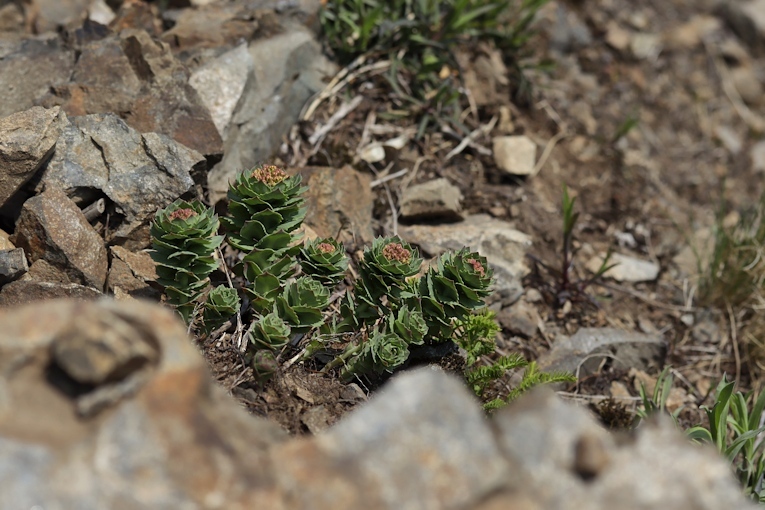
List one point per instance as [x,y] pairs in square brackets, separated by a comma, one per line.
[129,274]
[13,265]
[423,442]
[521,318]
[139,77]
[433,199]
[98,347]
[220,82]
[23,292]
[503,246]
[583,352]
[747,84]
[52,227]
[339,200]
[515,155]
[28,71]
[627,269]
[275,93]
[173,441]
[53,14]
[757,155]
[101,155]
[27,141]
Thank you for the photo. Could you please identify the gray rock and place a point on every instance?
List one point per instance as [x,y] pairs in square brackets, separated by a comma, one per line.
[421,443]
[747,19]
[29,69]
[23,292]
[583,352]
[101,155]
[515,155]
[13,265]
[569,32]
[27,141]
[438,198]
[97,347]
[220,83]
[627,269]
[339,200]
[53,14]
[177,442]
[52,227]
[503,246]
[757,155]
[520,318]
[543,451]
[273,97]
[139,78]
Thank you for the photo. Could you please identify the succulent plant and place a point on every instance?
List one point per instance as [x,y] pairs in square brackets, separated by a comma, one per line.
[183,241]
[263,202]
[325,260]
[382,352]
[457,286]
[264,365]
[408,324]
[302,303]
[222,302]
[270,332]
[265,207]
[383,272]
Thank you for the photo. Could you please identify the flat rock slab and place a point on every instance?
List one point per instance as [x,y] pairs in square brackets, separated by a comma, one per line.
[51,227]
[27,141]
[583,352]
[436,199]
[423,442]
[23,292]
[288,69]
[504,247]
[626,268]
[339,200]
[101,155]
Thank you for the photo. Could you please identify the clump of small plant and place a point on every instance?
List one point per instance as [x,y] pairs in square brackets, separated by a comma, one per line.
[567,285]
[419,40]
[734,277]
[391,310]
[183,240]
[736,430]
[476,335]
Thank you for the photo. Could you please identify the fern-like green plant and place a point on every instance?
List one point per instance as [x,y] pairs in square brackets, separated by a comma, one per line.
[325,260]
[475,333]
[265,208]
[183,242]
[222,303]
[532,377]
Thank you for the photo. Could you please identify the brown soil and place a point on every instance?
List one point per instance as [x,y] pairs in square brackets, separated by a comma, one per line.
[660,183]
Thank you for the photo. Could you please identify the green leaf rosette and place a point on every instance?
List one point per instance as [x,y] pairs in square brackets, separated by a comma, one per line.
[457,286]
[409,325]
[383,272]
[302,303]
[325,260]
[183,241]
[270,332]
[265,207]
[222,303]
[263,202]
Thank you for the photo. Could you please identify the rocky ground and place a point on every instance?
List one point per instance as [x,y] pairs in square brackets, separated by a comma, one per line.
[652,113]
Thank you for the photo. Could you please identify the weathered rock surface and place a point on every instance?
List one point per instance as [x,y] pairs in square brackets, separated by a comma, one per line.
[159,434]
[503,246]
[587,348]
[13,265]
[275,92]
[27,141]
[516,155]
[51,227]
[130,274]
[626,268]
[101,155]
[433,199]
[109,405]
[340,200]
[29,69]
[25,291]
